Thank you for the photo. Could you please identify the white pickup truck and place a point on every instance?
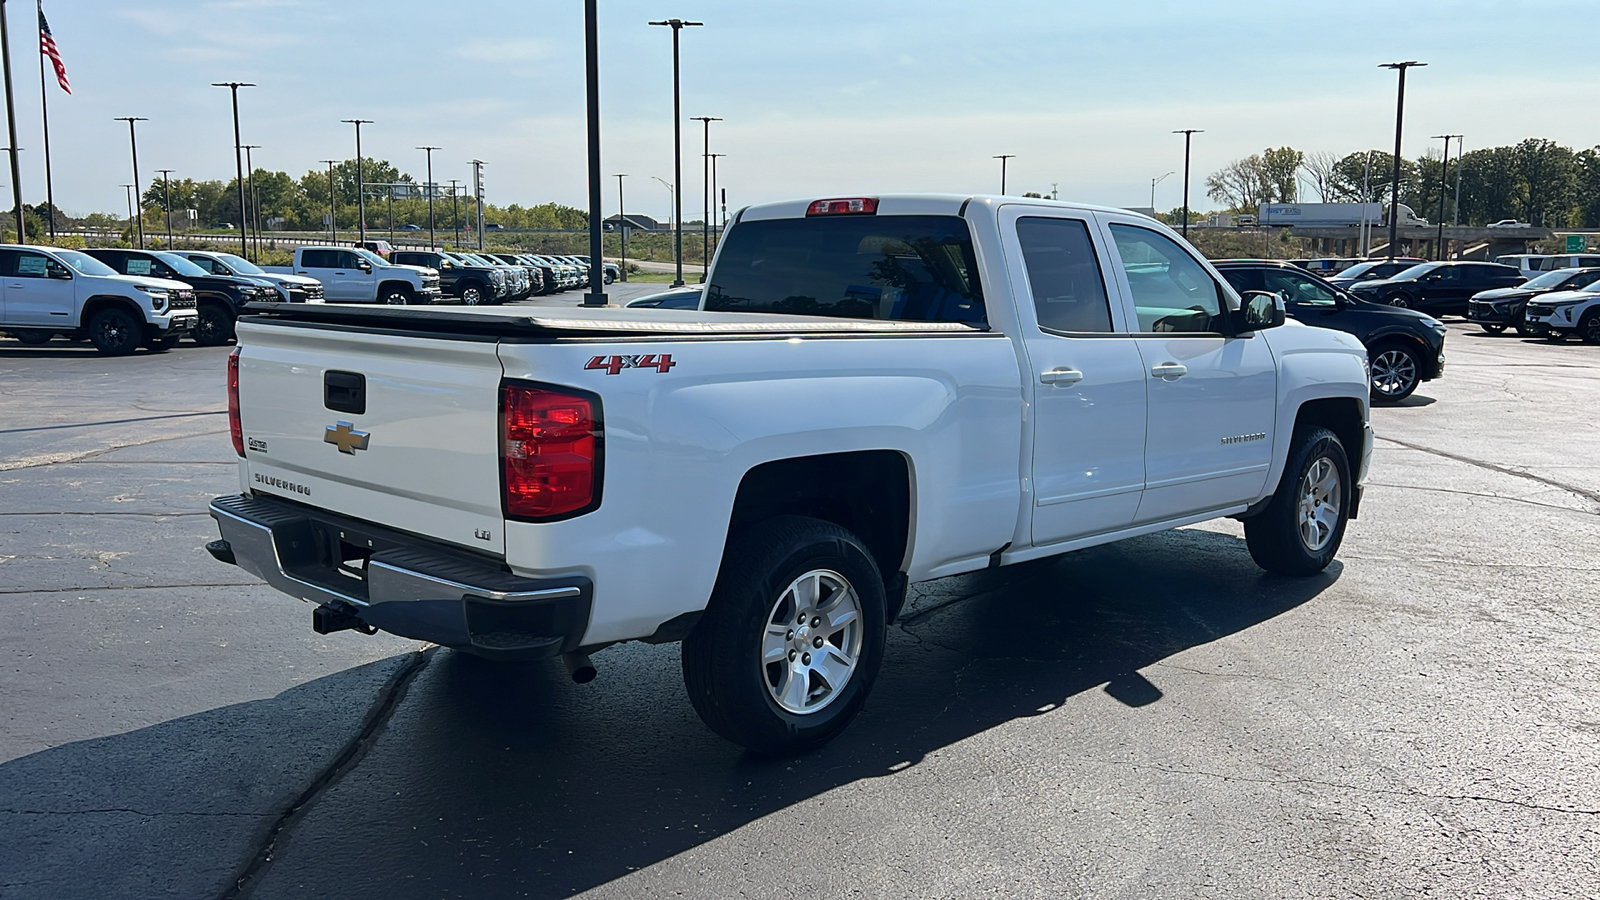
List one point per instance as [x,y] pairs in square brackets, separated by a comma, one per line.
[45,291]
[354,275]
[875,391]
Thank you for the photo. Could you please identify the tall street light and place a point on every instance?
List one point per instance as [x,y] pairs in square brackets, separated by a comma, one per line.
[127,189]
[238,161]
[1188,135]
[477,194]
[166,187]
[1003,157]
[134,143]
[1444,188]
[1153,183]
[361,178]
[333,205]
[255,212]
[705,193]
[596,295]
[677,26]
[622,226]
[718,229]
[11,126]
[455,208]
[432,242]
[1399,119]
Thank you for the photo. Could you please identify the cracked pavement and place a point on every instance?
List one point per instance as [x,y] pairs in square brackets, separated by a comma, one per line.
[1155,718]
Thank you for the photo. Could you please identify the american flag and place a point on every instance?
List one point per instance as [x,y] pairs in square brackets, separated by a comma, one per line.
[47,46]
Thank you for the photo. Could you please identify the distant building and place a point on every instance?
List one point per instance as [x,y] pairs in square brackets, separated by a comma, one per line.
[633,222]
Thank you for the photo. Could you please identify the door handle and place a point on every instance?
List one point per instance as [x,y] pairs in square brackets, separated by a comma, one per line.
[1168,370]
[1060,376]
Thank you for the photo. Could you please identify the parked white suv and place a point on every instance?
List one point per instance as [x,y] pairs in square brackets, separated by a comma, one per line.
[1561,313]
[45,291]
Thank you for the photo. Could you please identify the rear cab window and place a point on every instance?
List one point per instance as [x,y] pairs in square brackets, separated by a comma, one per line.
[908,268]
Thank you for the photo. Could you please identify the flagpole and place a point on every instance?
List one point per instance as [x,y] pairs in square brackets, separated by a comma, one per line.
[44,105]
[11,123]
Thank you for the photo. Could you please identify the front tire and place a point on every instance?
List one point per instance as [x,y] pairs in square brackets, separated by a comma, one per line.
[33,338]
[473,295]
[161,344]
[1300,530]
[396,296]
[1398,300]
[1492,329]
[115,332]
[1396,372]
[1589,327]
[792,638]
[215,326]
[1524,331]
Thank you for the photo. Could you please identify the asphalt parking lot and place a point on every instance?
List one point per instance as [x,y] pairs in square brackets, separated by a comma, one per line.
[1155,718]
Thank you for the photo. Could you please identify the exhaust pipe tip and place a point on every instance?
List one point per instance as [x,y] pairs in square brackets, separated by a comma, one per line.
[579,667]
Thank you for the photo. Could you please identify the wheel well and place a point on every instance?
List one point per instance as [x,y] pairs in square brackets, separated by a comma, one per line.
[867,492]
[214,299]
[95,304]
[387,286]
[1341,415]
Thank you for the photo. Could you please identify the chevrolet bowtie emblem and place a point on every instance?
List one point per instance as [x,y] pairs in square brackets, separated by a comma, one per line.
[346,438]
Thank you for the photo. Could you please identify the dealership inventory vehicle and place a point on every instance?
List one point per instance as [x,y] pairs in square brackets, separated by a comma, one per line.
[294,288]
[473,284]
[1438,287]
[875,391]
[1372,270]
[45,291]
[1496,310]
[220,297]
[1561,314]
[354,275]
[1404,347]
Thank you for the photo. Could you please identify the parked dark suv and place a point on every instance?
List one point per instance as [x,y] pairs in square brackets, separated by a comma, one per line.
[1372,270]
[220,297]
[1404,347]
[1439,287]
[1495,310]
[474,285]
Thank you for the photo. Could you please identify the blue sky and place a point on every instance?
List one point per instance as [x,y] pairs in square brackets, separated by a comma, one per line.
[820,98]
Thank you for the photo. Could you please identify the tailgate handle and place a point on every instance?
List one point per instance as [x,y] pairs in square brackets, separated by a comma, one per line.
[345,392]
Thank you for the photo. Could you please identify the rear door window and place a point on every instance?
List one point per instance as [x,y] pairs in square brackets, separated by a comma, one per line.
[319,259]
[1069,293]
[910,268]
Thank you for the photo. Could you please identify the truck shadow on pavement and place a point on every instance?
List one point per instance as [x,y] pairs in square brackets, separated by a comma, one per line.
[518,783]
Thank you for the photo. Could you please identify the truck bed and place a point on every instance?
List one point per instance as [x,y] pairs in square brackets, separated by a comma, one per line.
[503,322]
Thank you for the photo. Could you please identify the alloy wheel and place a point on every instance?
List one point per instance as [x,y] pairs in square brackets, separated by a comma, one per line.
[812,642]
[1319,504]
[1394,373]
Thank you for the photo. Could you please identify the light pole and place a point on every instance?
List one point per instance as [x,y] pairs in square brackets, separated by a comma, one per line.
[1399,119]
[1444,187]
[238,163]
[718,229]
[705,194]
[677,26]
[622,226]
[672,193]
[477,193]
[361,179]
[455,208]
[255,213]
[166,187]
[127,189]
[1003,157]
[433,243]
[11,125]
[333,205]
[1153,183]
[1188,134]
[134,143]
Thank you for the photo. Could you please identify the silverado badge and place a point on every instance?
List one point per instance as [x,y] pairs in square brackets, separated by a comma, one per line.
[345,436]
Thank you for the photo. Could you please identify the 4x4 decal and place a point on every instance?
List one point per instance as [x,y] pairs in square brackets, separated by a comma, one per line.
[614,365]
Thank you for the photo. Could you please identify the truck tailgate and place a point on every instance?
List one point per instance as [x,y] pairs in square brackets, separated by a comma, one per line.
[397,430]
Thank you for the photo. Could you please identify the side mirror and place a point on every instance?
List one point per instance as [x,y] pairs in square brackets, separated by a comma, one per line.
[364,266]
[1260,309]
[59,272]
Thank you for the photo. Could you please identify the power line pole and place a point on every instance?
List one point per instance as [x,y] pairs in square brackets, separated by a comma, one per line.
[1399,119]
[361,178]
[238,161]
[677,26]
[1188,134]
[133,142]
[1003,157]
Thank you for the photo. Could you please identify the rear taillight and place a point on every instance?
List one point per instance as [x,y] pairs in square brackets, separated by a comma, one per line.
[853,206]
[550,443]
[234,428]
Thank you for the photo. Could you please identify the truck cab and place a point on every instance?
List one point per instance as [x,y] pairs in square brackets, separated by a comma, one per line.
[355,275]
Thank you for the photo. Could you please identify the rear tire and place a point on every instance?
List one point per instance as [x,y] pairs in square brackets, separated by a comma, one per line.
[115,332]
[792,638]
[1300,530]
[1398,299]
